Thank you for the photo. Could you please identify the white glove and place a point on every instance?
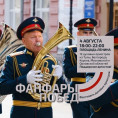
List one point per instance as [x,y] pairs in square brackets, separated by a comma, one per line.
[57,71]
[34,76]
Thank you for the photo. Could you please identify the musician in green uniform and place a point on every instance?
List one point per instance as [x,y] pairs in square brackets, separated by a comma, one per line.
[18,70]
[106,105]
[85,28]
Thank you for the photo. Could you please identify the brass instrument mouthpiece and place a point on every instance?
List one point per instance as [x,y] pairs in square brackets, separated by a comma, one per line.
[38,44]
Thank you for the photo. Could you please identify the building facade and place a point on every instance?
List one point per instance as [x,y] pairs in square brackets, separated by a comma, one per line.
[13,12]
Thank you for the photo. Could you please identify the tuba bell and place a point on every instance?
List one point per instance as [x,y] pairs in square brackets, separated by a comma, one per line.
[8,43]
[44,62]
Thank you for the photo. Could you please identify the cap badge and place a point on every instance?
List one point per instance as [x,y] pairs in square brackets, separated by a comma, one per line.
[35,20]
[87,25]
[23,65]
[88,20]
[36,25]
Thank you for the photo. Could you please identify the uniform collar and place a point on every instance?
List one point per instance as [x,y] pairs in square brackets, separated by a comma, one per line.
[28,52]
[116,70]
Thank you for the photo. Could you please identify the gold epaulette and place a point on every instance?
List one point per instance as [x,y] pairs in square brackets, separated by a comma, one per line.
[16,53]
[71,46]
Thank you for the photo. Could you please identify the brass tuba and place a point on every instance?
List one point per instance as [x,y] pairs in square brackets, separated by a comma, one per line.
[44,62]
[8,43]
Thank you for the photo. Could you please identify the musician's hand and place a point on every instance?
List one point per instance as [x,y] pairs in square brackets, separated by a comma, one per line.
[34,76]
[57,71]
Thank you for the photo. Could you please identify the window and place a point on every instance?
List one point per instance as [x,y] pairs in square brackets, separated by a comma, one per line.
[116,18]
[115,14]
[115,23]
[12,13]
[42,11]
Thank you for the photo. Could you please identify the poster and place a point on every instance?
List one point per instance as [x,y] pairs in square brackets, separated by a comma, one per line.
[61,108]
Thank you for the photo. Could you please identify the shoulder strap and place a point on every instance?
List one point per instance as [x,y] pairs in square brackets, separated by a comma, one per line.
[73,58]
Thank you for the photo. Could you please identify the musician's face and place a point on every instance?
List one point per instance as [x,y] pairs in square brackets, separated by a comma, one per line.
[116,58]
[33,41]
[84,33]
